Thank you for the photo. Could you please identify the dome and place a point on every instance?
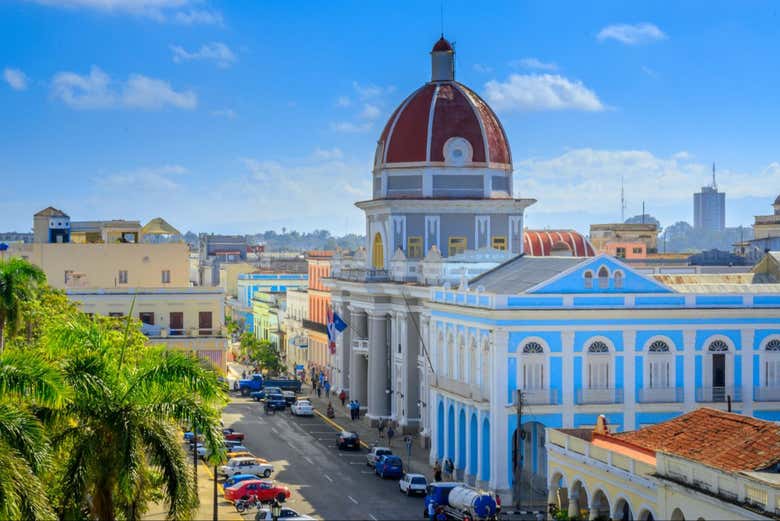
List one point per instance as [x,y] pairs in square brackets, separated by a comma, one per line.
[443,123]
[545,243]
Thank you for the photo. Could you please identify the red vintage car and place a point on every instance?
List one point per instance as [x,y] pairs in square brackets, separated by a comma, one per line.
[264,490]
[230,434]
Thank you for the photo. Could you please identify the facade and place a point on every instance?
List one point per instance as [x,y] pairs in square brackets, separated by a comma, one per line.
[709,209]
[229,273]
[297,352]
[766,235]
[706,464]
[214,250]
[268,312]
[320,355]
[624,240]
[442,209]
[251,283]
[51,225]
[581,337]
[183,318]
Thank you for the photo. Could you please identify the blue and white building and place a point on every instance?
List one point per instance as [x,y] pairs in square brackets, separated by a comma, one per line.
[580,337]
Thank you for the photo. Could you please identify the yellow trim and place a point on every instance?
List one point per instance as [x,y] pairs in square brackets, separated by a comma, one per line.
[414,247]
[456,245]
[378,257]
[499,243]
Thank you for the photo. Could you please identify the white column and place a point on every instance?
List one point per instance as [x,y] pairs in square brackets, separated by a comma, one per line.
[377,365]
[747,371]
[480,461]
[629,380]
[468,470]
[567,342]
[499,459]
[689,368]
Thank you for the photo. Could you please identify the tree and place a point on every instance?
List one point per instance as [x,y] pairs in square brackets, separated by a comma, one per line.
[118,439]
[261,353]
[28,384]
[18,280]
[644,219]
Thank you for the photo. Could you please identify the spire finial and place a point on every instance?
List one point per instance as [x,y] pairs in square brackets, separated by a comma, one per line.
[714,184]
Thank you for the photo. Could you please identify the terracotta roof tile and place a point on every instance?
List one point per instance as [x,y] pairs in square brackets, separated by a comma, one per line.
[727,441]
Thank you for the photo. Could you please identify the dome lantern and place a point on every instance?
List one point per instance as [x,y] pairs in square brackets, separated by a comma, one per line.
[442,61]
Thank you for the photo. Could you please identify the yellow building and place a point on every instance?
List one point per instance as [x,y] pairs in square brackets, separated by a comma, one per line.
[601,235]
[228,276]
[707,464]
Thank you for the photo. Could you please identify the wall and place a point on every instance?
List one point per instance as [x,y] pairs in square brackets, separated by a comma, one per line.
[228,276]
[101,263]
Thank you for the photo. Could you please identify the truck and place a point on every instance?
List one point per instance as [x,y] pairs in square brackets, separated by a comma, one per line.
[256,383]
[460,500]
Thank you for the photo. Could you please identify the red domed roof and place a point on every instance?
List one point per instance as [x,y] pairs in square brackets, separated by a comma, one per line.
[442,45]
[545,243]
[411,137]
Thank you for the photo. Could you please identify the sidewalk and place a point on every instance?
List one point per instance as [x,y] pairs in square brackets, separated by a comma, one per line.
[418,463]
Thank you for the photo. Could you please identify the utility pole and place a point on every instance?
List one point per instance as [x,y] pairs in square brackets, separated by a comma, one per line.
[195,458]
[519,436]
[215,510]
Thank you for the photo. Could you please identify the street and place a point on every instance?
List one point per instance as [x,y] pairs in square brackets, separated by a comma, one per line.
[326,483]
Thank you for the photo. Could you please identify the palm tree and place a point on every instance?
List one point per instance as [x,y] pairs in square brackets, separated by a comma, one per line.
[18,279]
[27,384]
[121,436]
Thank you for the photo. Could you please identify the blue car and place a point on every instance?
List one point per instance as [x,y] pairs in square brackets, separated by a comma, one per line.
[237,478]
[389,467]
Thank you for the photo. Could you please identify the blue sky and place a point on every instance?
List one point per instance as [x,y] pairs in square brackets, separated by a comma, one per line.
[249,115]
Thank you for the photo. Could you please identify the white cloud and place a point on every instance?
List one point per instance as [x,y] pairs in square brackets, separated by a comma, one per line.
[682,155]
[178,11]
[328,154]
[216,52]
[371,91]
[534,63]
[144,180]
[541,92]
[370,112]
[349,127]
[631,34]
[97,90]
[343,101]
[15,78]
[481,68]
[650,72]
[224,113]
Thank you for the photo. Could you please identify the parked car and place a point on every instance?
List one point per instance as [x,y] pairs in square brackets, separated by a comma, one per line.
[413,484]
[276,402]
[264,514]
[246,465]
[232,435]
[389,467]
[289,397]
[348,440]
[375,454]
[302,408]
[262,489]
[231,443]
[257,395]
[237,478]
[232,449]
[271,389]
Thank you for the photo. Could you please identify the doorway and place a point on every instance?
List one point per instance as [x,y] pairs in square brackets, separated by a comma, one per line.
[718,377]
[177,323]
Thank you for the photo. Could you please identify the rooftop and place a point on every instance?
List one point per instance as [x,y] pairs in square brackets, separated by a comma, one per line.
[50,211]
[522,273]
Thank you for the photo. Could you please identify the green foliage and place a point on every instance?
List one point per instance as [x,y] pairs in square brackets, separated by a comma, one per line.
[18,281]
[261,353]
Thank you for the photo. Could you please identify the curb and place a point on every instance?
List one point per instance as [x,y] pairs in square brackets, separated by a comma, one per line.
[337,426]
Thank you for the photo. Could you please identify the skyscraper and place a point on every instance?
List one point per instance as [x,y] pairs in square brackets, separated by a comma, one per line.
[709,207]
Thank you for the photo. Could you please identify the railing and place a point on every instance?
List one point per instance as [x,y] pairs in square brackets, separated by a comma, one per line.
[660,395]
[766,394]
[363,275]
[360,345]
[718,394]
[609,395]
[540,396]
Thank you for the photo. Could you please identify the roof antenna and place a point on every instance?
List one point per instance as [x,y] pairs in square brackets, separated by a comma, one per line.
[714,184]
[622,201]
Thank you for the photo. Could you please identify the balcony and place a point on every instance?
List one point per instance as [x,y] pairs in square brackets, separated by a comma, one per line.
[660,395]
[718,394]
[363,275]
[597,396]
[360,345]
[540,397]
[766,394]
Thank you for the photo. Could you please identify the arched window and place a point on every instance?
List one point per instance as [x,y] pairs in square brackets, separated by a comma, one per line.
[659,346]
[773,345]
[599,361]
[603,277]
[772,363]
[588,277]
[532,369]
[660,365]
[618,280]
[718,346]
[378,252]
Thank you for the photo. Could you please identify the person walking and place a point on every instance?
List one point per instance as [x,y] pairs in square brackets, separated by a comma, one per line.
[448,468]
[437,471]
[343,397]
[381,428]
[431,512]
[327,388]
[357,409]
[319,391]
[351,409]
[390,434]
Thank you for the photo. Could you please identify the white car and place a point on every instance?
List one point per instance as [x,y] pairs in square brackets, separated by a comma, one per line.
[376,453]
[413,484]
[302,408]
[246,465]
[264,514]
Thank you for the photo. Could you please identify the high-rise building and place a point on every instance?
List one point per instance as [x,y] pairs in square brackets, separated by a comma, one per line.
[709,208]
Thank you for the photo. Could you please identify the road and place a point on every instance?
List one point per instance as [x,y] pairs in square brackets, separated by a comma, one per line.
[326,483]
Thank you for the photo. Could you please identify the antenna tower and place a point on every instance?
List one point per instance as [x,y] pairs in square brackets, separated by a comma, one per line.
[714,184]
[622,202]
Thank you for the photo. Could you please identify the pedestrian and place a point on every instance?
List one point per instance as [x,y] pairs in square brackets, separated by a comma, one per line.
[351,410]
[440,514]
[498,506]
[327,388]
[390,434]
[448,468]
[343,397]
[437,471]
[381,428]
[319,391]
[357,409]
[431,512]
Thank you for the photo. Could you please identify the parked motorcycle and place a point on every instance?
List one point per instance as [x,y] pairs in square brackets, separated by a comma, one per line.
[245,504]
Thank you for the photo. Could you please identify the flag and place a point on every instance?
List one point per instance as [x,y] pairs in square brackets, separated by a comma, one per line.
[335,325]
